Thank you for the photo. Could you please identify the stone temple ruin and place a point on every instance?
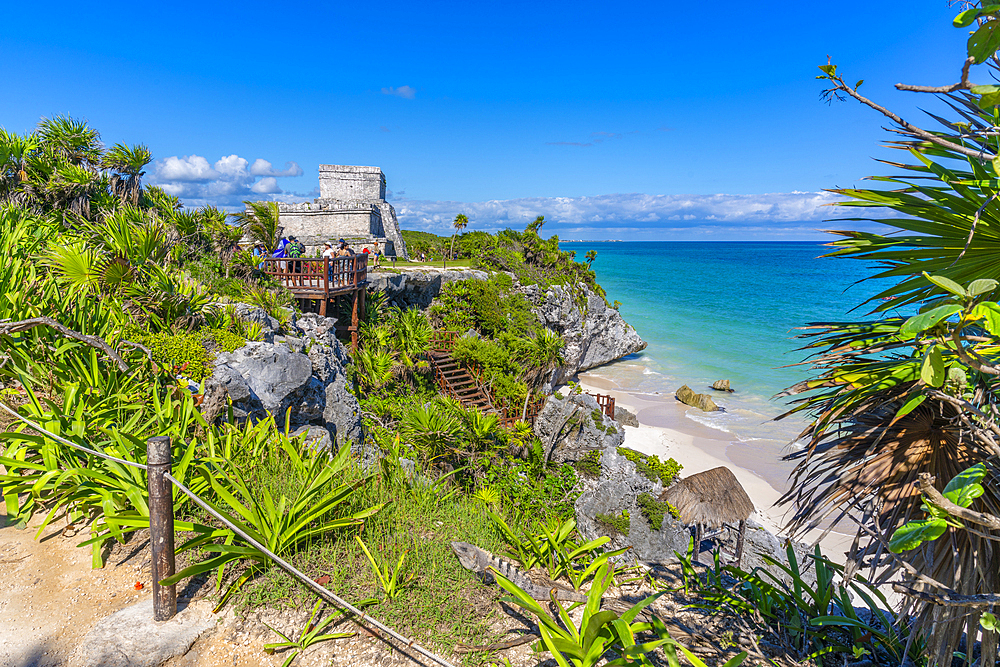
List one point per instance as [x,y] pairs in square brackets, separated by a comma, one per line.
[351,206]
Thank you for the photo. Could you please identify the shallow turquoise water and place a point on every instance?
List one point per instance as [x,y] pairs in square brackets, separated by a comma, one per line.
[714,310]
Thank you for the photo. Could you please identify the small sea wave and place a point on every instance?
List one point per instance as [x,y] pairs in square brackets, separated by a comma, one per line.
[712,420]
[650,371]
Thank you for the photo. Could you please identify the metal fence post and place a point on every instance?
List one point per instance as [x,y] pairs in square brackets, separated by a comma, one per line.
[161,527]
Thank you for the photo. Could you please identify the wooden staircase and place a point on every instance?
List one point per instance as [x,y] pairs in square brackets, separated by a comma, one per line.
[455,381]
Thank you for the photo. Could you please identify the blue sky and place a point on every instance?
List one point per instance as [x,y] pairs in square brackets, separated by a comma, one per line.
[615,120]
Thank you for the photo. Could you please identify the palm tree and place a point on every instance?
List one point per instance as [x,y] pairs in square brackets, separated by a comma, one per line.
[261,220]
[590,257]
[126,164]
[225,237]
[460,223]
[71,139]
[879,419]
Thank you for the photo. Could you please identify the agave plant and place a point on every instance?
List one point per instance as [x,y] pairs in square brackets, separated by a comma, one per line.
[431,430]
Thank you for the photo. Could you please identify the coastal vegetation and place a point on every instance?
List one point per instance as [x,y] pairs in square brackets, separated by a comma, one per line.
[115,301]
[902,439]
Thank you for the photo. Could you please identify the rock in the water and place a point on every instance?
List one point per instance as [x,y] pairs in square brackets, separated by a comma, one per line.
[131,638]
[623,416]
[721,385]
[688,396]
[595,333]
[574,425]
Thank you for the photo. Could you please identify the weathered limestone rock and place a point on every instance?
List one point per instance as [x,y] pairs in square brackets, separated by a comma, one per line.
[615,491]
[131,638]
[305,373]
[417,289]
[722,385]
[317,437]
[688,396]
[574,425]
[623,416]
[594,335]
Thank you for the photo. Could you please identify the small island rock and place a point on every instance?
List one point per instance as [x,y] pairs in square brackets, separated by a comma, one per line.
[687,396]
[722,385]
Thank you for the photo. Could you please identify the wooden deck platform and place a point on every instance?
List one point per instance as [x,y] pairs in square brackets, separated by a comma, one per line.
[321,283]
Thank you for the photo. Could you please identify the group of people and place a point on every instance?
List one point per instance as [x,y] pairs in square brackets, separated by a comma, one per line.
[292,248]
[345,250]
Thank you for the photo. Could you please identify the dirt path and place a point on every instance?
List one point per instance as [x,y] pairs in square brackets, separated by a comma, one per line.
[49,595]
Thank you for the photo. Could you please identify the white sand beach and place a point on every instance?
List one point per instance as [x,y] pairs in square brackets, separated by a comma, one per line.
[665,431]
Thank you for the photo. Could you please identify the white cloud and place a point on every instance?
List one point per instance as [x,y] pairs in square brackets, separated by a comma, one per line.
[774,215]
[264,168]
[266,186]
[406,92]
[232,166]
[226,183]
[188,168]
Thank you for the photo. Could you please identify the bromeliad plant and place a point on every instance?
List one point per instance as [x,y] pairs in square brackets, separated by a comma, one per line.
[321,504]
[555,548]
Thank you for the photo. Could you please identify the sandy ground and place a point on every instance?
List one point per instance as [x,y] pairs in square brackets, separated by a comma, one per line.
[665,431]
[49,595]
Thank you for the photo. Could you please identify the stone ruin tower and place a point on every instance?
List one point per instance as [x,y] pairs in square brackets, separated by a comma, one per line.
[351,206]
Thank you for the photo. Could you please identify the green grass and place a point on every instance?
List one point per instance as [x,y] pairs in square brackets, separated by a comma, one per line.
[444,605]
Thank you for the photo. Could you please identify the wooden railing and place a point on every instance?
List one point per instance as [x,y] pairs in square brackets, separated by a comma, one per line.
[443,341]
[607,403]
[319,277]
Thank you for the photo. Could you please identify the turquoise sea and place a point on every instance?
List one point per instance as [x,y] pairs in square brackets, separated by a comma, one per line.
[725,310]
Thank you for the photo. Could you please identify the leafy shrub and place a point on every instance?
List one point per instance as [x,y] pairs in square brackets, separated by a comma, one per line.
[488,306]
[589,464]
[654,510]
[549,496]
[498,361]
[187,353]
[650,466]
[619,522]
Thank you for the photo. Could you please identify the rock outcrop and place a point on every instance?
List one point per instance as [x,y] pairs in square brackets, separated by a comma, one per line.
[722,385]
[626,418]
[595,333]
[687,396]
[573,426]
[416,289]
[304,373]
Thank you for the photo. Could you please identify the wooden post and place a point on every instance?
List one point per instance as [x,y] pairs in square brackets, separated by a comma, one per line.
[354,321]
[739,542]
[161,527]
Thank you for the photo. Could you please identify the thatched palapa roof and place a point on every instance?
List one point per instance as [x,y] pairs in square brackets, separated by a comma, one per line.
[710,498]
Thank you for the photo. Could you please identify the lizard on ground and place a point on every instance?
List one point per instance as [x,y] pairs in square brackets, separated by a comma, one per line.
[482,562]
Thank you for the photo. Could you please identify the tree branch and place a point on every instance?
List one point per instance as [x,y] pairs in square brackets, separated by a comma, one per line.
[926,484]
[961,85]
[7,328]
[949,599]
[912,129]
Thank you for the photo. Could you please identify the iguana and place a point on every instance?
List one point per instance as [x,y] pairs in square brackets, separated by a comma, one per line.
[482,562]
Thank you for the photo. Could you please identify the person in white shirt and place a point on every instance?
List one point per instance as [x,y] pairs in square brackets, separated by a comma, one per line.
[328,251]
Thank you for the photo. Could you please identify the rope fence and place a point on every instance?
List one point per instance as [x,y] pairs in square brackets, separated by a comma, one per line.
[161,535]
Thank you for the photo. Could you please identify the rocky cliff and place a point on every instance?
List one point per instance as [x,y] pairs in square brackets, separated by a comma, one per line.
[595,333]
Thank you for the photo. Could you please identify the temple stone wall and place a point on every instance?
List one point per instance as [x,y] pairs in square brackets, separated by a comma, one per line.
[351,206]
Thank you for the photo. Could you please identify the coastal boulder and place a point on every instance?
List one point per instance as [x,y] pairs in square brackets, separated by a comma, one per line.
[304,373]
[721,385]
[626,418]
[595,333]
[571,426]
[687,396]
[615,503]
